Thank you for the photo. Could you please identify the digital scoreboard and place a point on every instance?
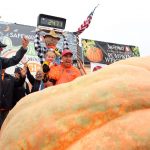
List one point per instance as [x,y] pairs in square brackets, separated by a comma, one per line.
[51,21]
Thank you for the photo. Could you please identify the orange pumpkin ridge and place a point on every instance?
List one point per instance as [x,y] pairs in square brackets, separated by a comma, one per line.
[129,132]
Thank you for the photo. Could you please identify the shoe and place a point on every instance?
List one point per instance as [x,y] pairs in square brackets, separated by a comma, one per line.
[2,45]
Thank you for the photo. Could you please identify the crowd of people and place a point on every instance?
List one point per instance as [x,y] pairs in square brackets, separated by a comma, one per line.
[56,68]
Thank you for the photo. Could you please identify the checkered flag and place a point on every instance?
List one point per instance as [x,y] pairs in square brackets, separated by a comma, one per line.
[65,42]
[86,23]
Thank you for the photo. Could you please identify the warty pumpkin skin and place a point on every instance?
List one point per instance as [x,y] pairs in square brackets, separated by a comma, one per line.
[129,132]
[58,117]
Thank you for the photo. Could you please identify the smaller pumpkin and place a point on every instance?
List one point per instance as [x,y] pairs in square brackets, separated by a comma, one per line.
[94,54]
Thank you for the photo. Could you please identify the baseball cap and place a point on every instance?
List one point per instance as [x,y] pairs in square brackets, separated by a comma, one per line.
[66,51]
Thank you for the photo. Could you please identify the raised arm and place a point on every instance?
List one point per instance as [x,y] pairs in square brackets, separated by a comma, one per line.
[30,76]
[7,62]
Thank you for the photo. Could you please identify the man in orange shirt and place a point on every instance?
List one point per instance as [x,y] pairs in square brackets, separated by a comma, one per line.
[65,72]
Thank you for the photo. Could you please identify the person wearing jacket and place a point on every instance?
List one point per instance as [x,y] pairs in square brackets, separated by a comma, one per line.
[5,63]
[65,72]
[37,81]
[23,89]
[9,83]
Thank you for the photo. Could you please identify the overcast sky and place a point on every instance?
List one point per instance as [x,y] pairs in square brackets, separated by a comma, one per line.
[116,21]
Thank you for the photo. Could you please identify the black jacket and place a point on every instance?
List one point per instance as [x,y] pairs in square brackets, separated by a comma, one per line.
[20,91]
[7,62]
[8,85]
[35,83]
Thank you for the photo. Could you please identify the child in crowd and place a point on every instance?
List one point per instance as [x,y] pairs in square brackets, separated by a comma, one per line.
[49,62]
[50,57]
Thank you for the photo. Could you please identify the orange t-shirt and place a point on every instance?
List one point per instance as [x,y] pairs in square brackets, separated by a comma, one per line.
[63,75]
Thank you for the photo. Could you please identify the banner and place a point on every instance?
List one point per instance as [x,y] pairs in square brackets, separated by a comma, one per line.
[106,53]
[11,34]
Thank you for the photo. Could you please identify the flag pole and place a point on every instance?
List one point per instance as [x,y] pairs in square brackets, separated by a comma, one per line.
[85,25]
[80,64]
[86,22]
[95,7]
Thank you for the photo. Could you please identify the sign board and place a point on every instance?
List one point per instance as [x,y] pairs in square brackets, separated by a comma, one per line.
[106,53]
[11,34]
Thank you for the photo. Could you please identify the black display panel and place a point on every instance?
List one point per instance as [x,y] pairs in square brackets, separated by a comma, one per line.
[51,21]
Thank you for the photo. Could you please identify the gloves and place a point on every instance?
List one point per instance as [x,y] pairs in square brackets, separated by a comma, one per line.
[46,68]
[53,81]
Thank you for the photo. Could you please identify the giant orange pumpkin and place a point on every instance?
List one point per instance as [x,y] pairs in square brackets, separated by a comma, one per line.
[94,54]
[129,132]
[70,115]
